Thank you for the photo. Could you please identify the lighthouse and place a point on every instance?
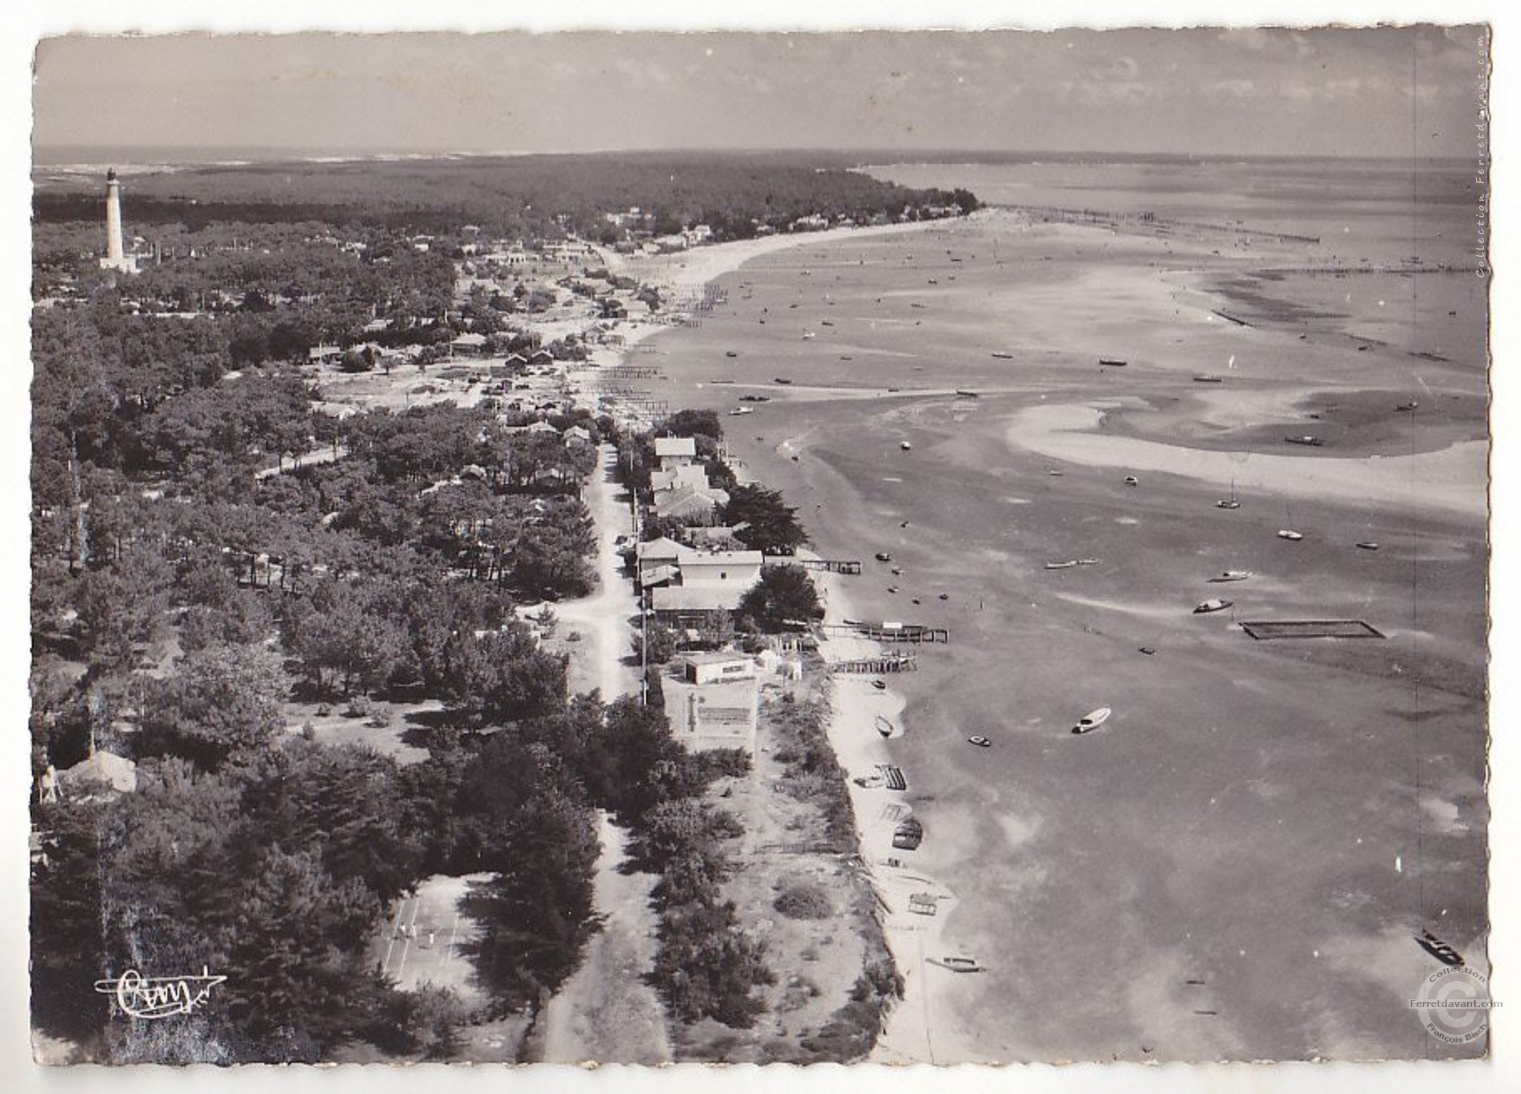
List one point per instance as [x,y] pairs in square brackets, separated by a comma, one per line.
[116,257]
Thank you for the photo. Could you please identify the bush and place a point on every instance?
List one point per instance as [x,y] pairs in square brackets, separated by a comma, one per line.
[805,900]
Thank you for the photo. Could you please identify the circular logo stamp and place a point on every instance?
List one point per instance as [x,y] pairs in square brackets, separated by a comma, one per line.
[1453,1004]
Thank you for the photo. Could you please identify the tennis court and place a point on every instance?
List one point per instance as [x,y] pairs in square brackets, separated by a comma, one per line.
[425,938]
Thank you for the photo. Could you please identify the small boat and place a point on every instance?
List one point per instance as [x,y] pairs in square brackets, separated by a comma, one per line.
[1231,575]
[1214,604]
[1208,379]
[846,357]
[1368,545]
[782,380]
[884,727]
[1290,535]
[945,596]
[980,741]
[1061,565]
[905,446]
[1112,362]
[740,411]
[1004,356]
[1054,474]
[959,964]
[730,353]
[966,393]
[880,685]
[1438,949]
[1092,720]
[1131,480]
[897,571]
[807,334]
[882,556]
[908,835]
[1231,502]
[826,323]
[1087,562]
[1149,651]
[893,589]
[1305,438]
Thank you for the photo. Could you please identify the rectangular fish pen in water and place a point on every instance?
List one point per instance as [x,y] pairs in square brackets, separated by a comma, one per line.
[1310,628]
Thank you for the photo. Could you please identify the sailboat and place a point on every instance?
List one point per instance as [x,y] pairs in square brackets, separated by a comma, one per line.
[1289,533]
[1231,502]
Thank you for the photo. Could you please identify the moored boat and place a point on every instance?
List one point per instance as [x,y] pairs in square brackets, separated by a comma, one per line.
[1092,720]
[1214,604]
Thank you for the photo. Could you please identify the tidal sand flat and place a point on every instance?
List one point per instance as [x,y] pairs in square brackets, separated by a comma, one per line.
[1234,865]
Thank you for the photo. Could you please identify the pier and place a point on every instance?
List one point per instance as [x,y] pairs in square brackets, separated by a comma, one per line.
[915,633]
[874,666]
[827,565]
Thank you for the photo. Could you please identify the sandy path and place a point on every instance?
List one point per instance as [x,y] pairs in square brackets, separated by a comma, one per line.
[606,1013]
[602,618]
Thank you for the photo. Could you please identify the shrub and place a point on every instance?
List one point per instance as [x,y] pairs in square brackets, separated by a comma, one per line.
[804,900]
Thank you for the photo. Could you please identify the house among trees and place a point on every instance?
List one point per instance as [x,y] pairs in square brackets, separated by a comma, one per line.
[690,505]
[469,344]
[711,699]
[685,585]
[674,452]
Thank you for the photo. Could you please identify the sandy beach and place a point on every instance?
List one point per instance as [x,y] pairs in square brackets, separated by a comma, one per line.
[1234,867]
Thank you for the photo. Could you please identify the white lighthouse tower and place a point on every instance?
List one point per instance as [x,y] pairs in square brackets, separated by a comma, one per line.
[116,257]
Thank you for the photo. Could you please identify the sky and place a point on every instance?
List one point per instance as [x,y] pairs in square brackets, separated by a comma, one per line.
[1367,92]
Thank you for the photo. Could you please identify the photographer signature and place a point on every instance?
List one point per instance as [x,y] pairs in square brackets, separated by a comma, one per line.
[141,996]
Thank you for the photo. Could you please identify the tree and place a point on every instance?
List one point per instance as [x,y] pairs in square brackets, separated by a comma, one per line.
[344,639]
[501,677]
[783,599]
[122,607]
[536,914]
[770,525]
[692,423]
[223,699]
[67,944]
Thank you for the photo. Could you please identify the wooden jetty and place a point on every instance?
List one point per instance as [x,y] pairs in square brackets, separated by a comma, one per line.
[827,565]
[915,633]
[872,666]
